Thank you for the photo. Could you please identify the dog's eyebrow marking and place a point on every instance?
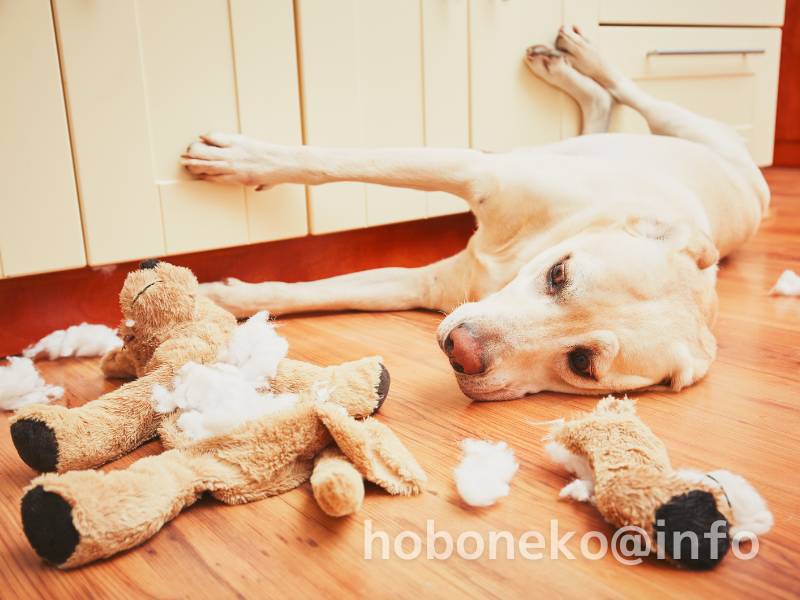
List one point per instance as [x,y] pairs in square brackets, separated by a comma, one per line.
[144,289]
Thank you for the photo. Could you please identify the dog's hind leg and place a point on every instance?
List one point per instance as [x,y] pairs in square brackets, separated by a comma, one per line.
[595,102]
[434,286]
[663,118]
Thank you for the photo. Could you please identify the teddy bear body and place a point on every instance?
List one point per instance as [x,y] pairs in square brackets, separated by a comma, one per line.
[78,514]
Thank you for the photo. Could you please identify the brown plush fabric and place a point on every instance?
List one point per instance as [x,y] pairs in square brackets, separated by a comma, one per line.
[79,516]
[338,487]
[171,325]
[632,471]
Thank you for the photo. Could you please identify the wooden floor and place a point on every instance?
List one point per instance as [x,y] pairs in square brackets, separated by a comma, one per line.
[745,416]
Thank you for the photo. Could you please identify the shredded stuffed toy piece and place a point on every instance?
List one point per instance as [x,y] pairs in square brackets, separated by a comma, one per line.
[788,284]
[485,471]
[750,512]
[79,340]
[214,399]
[21,384]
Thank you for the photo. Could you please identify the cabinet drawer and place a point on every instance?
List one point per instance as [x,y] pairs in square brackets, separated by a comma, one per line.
[729,74]
[692,12]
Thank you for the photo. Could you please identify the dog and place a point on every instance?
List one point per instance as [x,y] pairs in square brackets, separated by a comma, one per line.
[593,267]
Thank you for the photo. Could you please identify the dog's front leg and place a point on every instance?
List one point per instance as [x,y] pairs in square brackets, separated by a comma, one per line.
[233,158]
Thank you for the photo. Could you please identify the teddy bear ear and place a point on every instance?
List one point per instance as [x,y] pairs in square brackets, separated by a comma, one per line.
[681,235]
[150,263]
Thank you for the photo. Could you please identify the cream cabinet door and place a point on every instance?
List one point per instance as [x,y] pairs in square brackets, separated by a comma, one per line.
[143,79]
[40,227]
[362,86]
[511,107]
[729,74]
[445,66]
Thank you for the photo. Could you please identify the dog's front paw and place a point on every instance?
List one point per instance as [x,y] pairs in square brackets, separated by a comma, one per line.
[234,158]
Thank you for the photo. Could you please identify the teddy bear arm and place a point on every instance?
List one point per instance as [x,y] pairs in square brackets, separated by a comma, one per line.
[74,518]
[57,438]
[360,386]
[177,351]
[118,364]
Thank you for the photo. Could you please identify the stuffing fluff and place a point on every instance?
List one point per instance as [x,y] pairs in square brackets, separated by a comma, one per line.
[21,384]
[582,488]
[788,284]
[750,513]
[256,349]
[79,340]
[485,471]
[216,398]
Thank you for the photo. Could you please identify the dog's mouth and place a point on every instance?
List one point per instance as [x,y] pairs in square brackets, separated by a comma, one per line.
[144,289]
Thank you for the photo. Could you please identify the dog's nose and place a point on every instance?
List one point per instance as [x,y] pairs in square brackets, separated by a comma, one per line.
[464,351]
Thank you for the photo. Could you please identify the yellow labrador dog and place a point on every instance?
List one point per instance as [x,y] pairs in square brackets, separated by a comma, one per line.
[594,264]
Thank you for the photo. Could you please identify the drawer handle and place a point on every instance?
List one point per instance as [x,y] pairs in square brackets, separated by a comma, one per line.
[706,51]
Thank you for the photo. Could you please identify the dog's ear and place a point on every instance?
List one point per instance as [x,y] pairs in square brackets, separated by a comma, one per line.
[680,235]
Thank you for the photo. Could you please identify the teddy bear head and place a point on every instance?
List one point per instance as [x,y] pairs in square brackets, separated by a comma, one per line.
[158,295]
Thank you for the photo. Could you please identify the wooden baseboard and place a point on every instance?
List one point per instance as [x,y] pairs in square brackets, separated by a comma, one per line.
[34,306]
[787,153]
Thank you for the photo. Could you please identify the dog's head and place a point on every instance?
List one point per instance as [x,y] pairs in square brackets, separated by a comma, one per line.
[624,307]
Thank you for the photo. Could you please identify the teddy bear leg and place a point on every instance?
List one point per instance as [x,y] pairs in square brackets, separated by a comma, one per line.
[117,364]
[57,438]
[375,451]
[361,386]
[338,487]
[77,517]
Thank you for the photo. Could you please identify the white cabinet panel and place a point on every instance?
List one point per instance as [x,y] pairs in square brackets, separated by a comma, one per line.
[738,89]
[328,47]
[269,107]
[361,65]
[40,228]
[144,78]
[511,107]
[104,83]
[446,85]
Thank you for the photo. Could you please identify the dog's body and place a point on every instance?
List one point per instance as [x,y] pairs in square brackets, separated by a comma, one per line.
[593,266]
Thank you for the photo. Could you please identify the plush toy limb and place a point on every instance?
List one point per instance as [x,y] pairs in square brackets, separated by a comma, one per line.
[360,386]
[81,516]
[338,487]
[273,454]
[57,438]
[117,364]
[374,450]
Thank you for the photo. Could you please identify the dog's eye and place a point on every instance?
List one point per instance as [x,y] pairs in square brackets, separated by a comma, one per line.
[557,276]
[580,361]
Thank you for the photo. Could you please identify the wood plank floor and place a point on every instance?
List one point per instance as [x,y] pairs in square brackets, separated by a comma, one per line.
[744,416]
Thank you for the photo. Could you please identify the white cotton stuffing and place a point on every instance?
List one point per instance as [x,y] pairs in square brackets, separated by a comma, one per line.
[79,340]
[582,488]
[788,284]
[216,398]
[485,471]
[751,517]
[21,384]
[256,349]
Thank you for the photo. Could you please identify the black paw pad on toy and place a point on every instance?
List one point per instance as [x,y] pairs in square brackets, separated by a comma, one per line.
[47,522]
[36,444]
